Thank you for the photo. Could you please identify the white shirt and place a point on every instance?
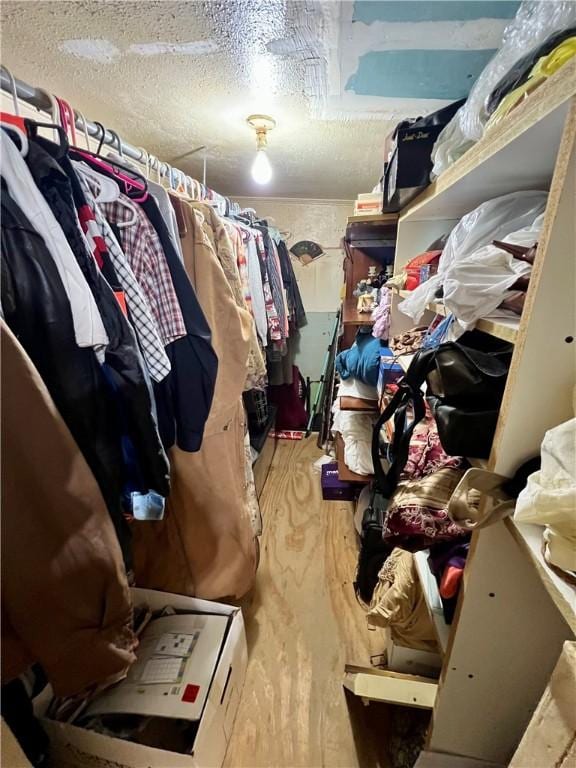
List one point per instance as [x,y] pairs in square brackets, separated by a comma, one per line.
[88,327]
[168,214]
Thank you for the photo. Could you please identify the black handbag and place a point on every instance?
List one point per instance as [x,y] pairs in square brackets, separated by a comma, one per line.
[407,408]
[466,381]
[408,171]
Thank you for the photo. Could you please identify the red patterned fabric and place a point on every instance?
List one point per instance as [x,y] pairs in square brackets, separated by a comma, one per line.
[417,516]
[92,232]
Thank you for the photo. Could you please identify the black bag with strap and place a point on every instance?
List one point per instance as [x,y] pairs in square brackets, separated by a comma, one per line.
[465,383]
[408,409]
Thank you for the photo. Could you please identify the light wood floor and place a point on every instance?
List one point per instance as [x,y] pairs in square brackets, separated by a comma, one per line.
[303,623]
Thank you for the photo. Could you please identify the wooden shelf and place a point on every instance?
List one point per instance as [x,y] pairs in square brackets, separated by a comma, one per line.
[432,599]
[345,474]
[518,154]
[358,404]
[529,537]
[351,316]
[502,327]
[394,687]
[366,218]
[515,611]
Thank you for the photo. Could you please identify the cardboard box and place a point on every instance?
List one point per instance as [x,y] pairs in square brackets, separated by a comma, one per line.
[74,747]
[334,489]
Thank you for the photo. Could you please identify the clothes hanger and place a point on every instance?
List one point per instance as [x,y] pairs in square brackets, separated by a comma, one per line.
[133,186]
[32,131]
[16,132]
[15,123]
[13,90]
[67,118]
[125,203]
[145,161]
[80,116]
[107,189]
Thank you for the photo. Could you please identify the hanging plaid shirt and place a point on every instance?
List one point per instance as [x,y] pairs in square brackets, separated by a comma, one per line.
[144,252]
[141,316]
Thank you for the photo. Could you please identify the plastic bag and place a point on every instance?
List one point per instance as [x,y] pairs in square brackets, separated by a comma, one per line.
[549,497]
[476,286]
[534,23]
[493,220]
[544,68]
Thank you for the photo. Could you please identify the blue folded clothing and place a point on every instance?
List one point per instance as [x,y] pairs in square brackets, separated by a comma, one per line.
[361,361]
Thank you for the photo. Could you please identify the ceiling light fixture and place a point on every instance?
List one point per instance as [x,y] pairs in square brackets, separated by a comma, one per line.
[261,168]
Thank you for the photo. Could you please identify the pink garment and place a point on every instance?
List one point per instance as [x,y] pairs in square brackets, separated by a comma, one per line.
[381,315]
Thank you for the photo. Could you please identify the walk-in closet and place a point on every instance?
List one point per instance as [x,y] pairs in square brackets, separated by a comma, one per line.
[288,383]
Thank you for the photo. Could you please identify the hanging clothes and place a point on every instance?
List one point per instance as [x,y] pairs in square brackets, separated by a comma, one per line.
[139,309]
[184,398]
[206,537]
[141,245]
[37,310]
[218,237]
[256,281]
[178,305]
[162,199]
[88,327]
[65,597]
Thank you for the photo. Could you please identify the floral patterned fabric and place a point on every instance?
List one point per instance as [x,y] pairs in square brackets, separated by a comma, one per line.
[417,516]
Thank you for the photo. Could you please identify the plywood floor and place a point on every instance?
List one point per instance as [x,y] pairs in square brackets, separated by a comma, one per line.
[303,623]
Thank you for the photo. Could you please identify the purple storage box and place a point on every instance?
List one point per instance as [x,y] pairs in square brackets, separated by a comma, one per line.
[334,489]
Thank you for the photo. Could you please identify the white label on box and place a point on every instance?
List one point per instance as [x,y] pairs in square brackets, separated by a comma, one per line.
[162,669]
[173,644]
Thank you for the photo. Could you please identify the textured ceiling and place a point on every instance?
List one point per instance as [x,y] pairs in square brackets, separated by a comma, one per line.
[171,76]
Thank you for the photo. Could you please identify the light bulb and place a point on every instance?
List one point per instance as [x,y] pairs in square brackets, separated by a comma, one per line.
[261,168]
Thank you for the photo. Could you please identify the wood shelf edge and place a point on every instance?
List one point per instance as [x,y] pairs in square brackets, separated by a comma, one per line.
[367,218]
[562,594]
[441,629]
[359,404]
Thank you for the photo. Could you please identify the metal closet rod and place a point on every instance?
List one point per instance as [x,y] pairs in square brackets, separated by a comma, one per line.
[38,98]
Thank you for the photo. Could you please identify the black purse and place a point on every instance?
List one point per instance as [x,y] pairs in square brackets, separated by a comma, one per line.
[408,409]
[466,381]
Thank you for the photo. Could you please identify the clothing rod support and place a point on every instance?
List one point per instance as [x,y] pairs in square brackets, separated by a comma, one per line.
[38,99]
[202,149]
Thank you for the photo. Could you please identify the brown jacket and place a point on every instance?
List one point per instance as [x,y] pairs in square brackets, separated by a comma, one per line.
[205,545]
[65,598]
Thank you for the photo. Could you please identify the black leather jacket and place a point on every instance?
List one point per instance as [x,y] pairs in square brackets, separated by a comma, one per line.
[37,310]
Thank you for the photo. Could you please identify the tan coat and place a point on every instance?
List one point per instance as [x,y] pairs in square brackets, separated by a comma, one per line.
[205,545]
[65,597]
[217,232]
